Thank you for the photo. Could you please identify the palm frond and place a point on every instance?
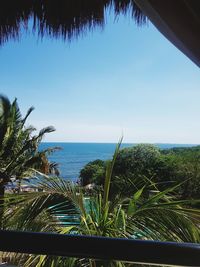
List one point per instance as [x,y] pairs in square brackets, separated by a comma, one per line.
[61,207]
[109,171]
[44,131]
[27,115]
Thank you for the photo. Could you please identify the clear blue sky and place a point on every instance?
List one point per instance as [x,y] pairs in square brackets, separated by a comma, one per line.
[121,79]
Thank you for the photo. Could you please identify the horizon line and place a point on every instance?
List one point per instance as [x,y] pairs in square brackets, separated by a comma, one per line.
[97,142]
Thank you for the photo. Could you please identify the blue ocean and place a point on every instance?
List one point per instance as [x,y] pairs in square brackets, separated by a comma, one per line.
[73,156]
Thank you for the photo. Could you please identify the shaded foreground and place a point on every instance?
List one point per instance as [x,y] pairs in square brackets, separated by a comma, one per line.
[64,208]
[137,251]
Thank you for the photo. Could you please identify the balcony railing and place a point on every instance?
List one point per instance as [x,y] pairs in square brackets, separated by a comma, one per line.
[102,248]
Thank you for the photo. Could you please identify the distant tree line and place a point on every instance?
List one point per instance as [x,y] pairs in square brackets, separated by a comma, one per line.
[145,164]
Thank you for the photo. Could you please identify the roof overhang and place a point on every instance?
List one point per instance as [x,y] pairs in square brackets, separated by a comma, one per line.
[178,21]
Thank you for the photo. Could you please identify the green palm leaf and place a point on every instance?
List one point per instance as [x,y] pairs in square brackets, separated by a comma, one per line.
[62,207]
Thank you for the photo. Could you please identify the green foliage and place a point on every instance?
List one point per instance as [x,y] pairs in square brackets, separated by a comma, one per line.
[188,161]
[139,159]
[19,146]
[133,164]
[93,172]
[144,163]
[136,200]
[61,207]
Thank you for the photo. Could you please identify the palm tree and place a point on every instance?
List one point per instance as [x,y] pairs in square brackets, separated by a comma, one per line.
[19,147]
[61,207]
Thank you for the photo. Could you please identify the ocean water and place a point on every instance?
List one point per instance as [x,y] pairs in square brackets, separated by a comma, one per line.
[74,156]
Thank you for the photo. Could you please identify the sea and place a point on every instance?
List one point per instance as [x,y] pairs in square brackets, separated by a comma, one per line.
[72,157]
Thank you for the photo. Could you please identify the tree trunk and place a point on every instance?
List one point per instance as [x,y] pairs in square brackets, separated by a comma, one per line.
[2,193]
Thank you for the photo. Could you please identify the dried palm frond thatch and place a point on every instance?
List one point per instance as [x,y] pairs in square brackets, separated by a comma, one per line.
[59,18]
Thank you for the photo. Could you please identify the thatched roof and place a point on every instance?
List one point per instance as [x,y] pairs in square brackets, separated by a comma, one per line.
[59,18]
[178,20]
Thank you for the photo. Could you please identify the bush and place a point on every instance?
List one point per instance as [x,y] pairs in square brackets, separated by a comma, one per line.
[93,172]
[140,164]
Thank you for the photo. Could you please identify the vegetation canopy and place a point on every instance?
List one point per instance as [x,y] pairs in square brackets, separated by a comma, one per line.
[127,202]
[146,164]
[62,207]
[20,154]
